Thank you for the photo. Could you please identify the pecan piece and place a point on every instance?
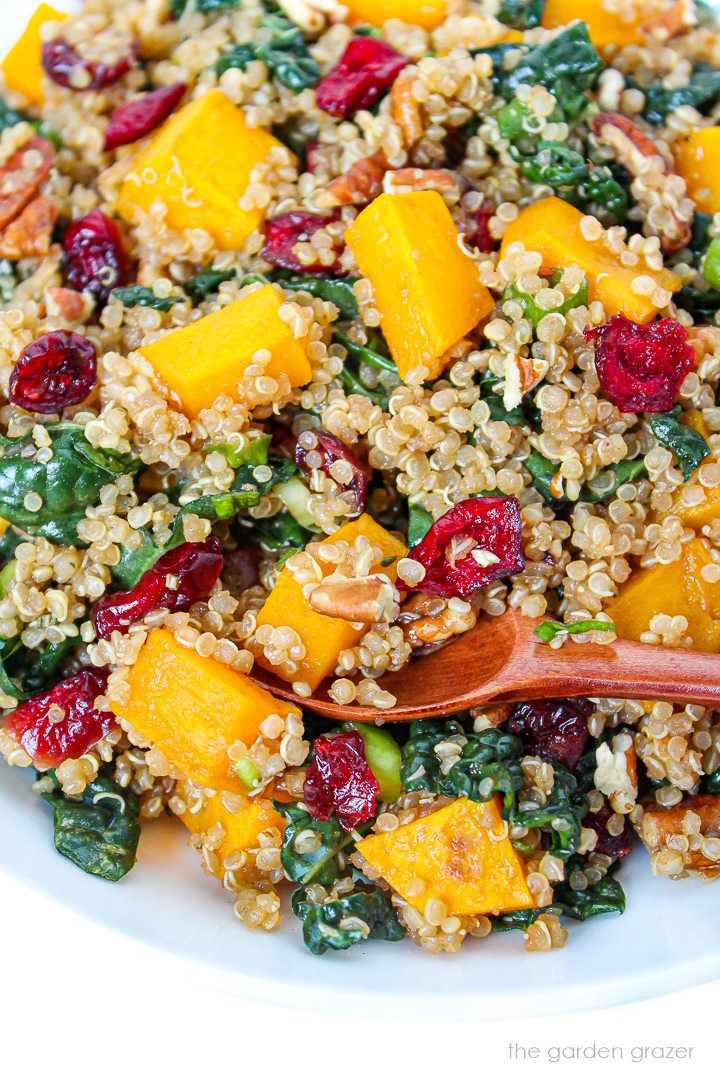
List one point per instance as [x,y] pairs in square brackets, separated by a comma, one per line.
[22,175]
[30,232]
[359,185]
[67,304]
[429,621]
[677,841]
[405,110]
[360,600]
[411,179]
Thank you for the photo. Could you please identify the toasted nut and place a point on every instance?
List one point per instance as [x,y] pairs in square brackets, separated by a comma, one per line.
[490,715]
[22,175]
[410,179]
[662,831]
[67,304]
[405,110]
[428,621]
[705,340]
[30,232]
[522,373]
[359,185]
[361,600]
[677,19]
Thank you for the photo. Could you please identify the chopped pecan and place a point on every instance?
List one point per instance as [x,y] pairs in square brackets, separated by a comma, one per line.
[362,600]
[359,185]
[429,621]
[67,304]
[410,179]
[675,20]
[677,841]
[405,109]
[493,715]
[705,340]
[22,175]
[30,232]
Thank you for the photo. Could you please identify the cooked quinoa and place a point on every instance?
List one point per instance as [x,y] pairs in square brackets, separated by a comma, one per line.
[320,342]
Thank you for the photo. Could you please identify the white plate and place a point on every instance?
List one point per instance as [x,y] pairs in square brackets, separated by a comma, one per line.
[669,937]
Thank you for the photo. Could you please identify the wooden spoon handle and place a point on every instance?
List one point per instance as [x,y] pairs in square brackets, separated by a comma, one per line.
[623,669]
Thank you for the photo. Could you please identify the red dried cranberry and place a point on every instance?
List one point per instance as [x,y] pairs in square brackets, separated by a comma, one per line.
[95,260]
[137,118]
[56,370]
[554,730]
[297,227]
[616,846]
[63,64]
[366,69]
[339,781]
[49,741]
[641,368]
[478,233]
[326,451]
[445,551]
[177,580]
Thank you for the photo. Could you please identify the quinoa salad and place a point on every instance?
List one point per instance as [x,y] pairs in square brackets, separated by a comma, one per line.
[328,330]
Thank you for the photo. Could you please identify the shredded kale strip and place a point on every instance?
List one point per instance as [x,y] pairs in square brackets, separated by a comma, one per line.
[534,313]
[346,921]
[140,296]
[98,830]
[549,628]
[320,866]
[286,55]
[687,444]
[338,291]
[177,7]
[605,897]
[701,92]
[9,117]
[521,14]
[67,484]
[542,472]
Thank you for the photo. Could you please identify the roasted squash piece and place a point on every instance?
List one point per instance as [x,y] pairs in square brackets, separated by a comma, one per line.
[22,67]
[198,166]
[242,828]
[427,290]
[461,854]
[425,13]
[209,357]
[552,227]
[697,160]
[194,708]
[604,26]
[324,637]
[675,589]
[693,514]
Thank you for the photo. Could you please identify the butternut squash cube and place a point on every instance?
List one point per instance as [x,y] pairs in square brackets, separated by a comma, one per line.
[193,708]
[675,589]
[462,855]
[697,160]
[198,165]
[604,26]
[324,637]
[209,357]
[552,227]
[242,828]
[22,67]
[427,290]
[425,13]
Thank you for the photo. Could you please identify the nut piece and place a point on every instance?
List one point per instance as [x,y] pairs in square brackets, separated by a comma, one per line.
[22,175]
[429,621]
[358,600]
[29,234]
[399,181]
[405,109]
[359,185]
[684,839]
[67,304]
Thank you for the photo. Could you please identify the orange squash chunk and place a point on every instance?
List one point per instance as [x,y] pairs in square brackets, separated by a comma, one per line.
[697,160]
[198,165]
[242,828]
[324,637]
[604,27]
[552,227]
[425,13]
[209,357]
[676,589]
[22,67]
[456,854]
[696,515]
[427,290]
[193,708]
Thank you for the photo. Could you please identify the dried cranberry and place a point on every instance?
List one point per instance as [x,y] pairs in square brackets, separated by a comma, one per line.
[177,580]
[448,550]
[95,260]
[366,69]
[323,455]
[616,846]
[137,118]
[297,227]
[56,370]
[641,368]
[339,781]
[67,68]
[477,234]
[554,730]
[50,741]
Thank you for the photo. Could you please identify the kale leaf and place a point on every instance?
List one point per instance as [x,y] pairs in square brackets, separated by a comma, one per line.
[702,304]
[338,290]
[711,783]
[346,921]
[687,444]
[374,355]
[606,896]
[701,92]
[286,55]
[521,14]
[206,282]
[320,866]
[419,521]
[177,7]
[562,814]
[140,296]
[534,313]
[98,830]
[67,484]
[280,532]
[542,472]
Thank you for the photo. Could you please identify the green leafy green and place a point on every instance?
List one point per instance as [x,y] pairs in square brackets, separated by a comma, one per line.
[702,304]
[702,91]
[338,290]
[202,285]
[286,55]
[534,313]
[47,664]
[9,683]
[687,444]
[711,783]
[347,920]
[253,453]
[320,866]
[98,830]
[562,814]
[140,296]
[521,14]
[374,355]
[542,472]
[549,628]
[67,484]
[367,354]
[281,532]
[711,264]
[605,897]
[9,117]
[177,7]
[419,521]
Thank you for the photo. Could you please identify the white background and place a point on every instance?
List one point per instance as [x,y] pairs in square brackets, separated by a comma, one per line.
[77,1000]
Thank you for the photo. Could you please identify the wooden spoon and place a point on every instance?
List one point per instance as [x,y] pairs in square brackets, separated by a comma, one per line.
[501,659]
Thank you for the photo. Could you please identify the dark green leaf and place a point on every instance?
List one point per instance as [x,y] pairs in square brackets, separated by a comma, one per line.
[701,92]
[419,521]
[205,283]
[521,14]
[320,866]
[281,531]
[554,164]
[333,924]
[549,628]
[686,443]
[139,296]
[10,117]
[337,290]
[47,664]
[9,683]
[534,313]
[67,484]
[253,453]
[364,354]
[542,472]
[702,304]
[285,54]
[562,814]
[711,783]
[98,830]
[177,7]
[606,896]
